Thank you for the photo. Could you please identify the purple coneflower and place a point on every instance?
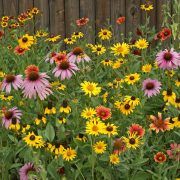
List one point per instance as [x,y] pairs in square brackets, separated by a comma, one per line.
[168,59]
[10,115]
[24,170]
[174,152]
[11,80]
[151,87]
[49,57]
[65,69]
[36,83]
[77,55]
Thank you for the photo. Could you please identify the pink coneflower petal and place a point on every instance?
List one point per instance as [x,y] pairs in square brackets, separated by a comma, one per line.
[24,170]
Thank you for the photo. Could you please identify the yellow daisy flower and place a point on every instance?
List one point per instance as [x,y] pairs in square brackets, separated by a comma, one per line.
[147,68]
[114,159]
[126,108]
[98,49]
[170,73]
[132,78]
[15,125]
[53,38]
[2,74]
[41,34]
[76,35]
[105,34]
[104,96]
[132,100]
[69,40]
[88,113]
[81,137]
[141,44]
[147,7]
[26,41]
[107,62]
[65,108]
[69,154]
[40,119]
[90,88]
[177,82]
[50,109]
[169,96]
[110,130]
[61,120]
[25,128]
[120,49]
[6,97]
[177,121]
[99,147]
[4,24]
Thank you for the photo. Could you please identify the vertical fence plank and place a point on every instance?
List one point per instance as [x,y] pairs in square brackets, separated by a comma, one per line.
[1,8]
[117,10]
[43,20]
[87,9]
[10,7]
[103,11]
[71,15]
[57,24]
[132,16]
[24,5]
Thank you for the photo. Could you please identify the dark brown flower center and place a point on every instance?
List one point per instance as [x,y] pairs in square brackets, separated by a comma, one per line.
[149,85]
[8,114]
[169,92]
[133,97]
[171,121]
[14,120]
[24,40]
[33,76]
[76,33]
[127,106]
[109,128]
[32,138]
[64,65]
[40,116]
[104,33]
[81,135]
[106,60]
[77,51]
[10,78]
[167,56]
[64,104]
[131,78]
[177,100]
[98,49]
[61,171]
[132,141]
[50,105]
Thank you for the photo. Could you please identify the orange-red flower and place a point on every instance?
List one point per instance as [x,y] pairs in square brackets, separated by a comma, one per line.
[103,112]
[166,33]
[120,20]
[136,128]
[58,58]
[119,146]
[1,34]
[158,124]
[19,51]
[82,21]
[160,157]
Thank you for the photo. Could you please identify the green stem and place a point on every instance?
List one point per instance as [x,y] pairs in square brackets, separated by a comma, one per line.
[80,171]
[92,170]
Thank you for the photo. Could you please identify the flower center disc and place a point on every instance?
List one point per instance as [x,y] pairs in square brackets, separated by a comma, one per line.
[132,141]
[150,86]
[77,51]
[168,56]
[64,65]
[32,138]
[109,128]
[8,114]
[24,39]
[10,78]
[33,76]
[127,106]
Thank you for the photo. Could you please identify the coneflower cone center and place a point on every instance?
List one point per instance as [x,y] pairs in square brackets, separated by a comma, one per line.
[64,65]
[10,78]
[168,56]
[149,86]
[132,141]
[8,114]
[33,76]
[77,51]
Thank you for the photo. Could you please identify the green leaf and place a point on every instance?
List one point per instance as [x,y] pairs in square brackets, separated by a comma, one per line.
[141,176]
[16,165]
[49,132]
[12,138]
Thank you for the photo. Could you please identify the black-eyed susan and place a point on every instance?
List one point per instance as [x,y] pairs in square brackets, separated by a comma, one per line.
[78,35]
[53,38]
[81,137]
[105,34]
[25,127]
[146,68]
[40,119]
[69,154]
[171,123]
[147,7]
[132,100]
[6,97]
[104,96]
[126,108]
[94,127]
[2,74]
[107,62]
[100,147]
[50,109]
[98,49]
[141,44]
[114,159]
[5,18]
[26,41]
[90,88]
[61,120]
[41,33]
[118,82]
[132,78]
[33,140]
[65,107]
[58,149]
[35,10]
[176,102]
[169,96]
[88,113]
[170,73]
[15,125]
[132,141]
[69,40]
[110,130]
[4,24]
[177,82]
[177,121]
[120,49]
[57,85]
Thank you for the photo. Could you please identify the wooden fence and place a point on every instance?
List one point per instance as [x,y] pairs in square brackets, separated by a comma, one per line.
[58,15]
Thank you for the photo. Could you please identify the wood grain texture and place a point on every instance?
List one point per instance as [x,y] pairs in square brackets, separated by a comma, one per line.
[1,8]
[103,13]
[87,9]
[71,15]
[117,10]
[133,16]
[57,24]
[42,19]
[10,7]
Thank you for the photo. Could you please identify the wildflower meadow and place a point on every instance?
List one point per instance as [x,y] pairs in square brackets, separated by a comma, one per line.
[73,110]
